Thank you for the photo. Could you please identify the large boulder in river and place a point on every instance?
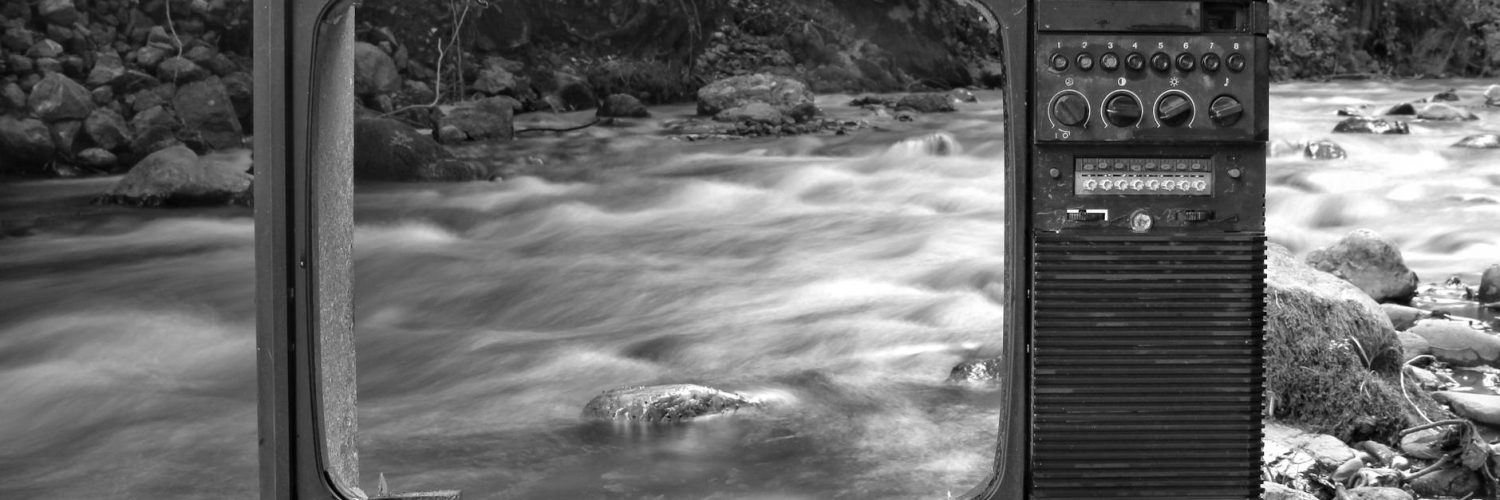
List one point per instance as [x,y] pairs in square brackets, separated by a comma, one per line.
[374,71]
[1371,262]
[57,97]
[388,150]
[1367,125]
[664,403]
[178,176]
[1332,357]
[155,129]
[1492,95]
[205,109]
[780,92]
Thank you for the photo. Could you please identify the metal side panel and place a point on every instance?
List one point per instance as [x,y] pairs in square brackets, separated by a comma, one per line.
[1147,361]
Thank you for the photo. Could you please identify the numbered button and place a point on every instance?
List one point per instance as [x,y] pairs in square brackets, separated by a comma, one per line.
[1110,61]
[1085,62]
[1161,62]
[1186,62]
[1211,62]
[1135,61]
[1059,62]
[1235,62]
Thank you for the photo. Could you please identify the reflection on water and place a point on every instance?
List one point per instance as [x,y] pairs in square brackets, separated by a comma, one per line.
[833,278]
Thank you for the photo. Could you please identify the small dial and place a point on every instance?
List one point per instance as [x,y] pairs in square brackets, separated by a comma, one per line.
[1110,61]
[1174,110]
[1226,111]
[1211,62]
[1085,62]
[1135,61]
[1122,110]
[1235,62]
[1186,62]
[1161,62]
[1070,109]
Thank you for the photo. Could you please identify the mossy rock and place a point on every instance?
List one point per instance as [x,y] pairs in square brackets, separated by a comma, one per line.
[1332,356]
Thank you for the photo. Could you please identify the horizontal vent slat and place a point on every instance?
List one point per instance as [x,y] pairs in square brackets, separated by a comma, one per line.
[1146,365]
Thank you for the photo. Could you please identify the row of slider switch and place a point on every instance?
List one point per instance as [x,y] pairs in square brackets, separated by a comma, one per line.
[1174,109]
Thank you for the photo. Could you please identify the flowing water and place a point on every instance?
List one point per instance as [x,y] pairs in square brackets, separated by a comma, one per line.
[834,279]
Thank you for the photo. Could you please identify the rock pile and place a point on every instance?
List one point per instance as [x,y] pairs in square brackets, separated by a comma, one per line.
[96,86]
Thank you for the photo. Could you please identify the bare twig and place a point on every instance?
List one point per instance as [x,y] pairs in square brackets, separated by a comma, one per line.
[437,84]
[173,26]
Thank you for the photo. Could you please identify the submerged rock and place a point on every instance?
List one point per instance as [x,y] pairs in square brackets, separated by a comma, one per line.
[1364,125]
[622,106]
[1403,109]
[1445,112]
[982,371]
[1492,95]
[1371,262]
[1479,141]
[935,144]
[1458,344]
[1482,408]
[664,403]
[1324,150]
[927,102]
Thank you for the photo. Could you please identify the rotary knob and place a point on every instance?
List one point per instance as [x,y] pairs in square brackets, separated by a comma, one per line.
[1226,111]
[1174,110]
[1071,109]
[1122,110]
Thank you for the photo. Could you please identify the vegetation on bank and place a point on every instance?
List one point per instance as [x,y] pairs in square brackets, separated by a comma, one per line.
[1384,38]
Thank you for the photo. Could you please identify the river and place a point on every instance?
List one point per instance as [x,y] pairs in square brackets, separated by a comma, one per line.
[833,278]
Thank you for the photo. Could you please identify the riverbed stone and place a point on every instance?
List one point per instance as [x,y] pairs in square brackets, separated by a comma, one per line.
[1445,112]
[1458,344]
[1276,491]
[25,141]
[1324,149]
[1479,141]
[1489,285]
[57,97]
[44,48]
[1367,125]
[1450,95]
[1377,493]
[65,134]
[177,176]
[180,70]
[485,119]
[107,67]
[374,71]
[979,371]
[1370,261]
[1402,317]
[1413,345]
[108,129]
[780,92]
[1332,355]
[494,78]
[388,150]
[1450,481]
[97,158]
[58,12]
[154,128]
[622,106]
[664,403]
[1492,95]
[927,102]
[132,81]
[205,108]
[12,98]
[1482,408]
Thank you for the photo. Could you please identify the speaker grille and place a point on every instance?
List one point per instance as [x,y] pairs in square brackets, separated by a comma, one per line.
[1147,366]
